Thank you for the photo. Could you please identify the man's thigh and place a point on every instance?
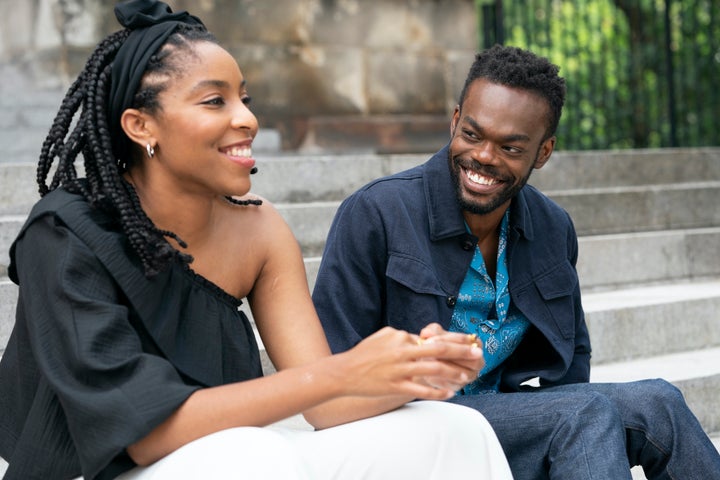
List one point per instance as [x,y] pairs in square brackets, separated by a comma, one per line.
[547,429]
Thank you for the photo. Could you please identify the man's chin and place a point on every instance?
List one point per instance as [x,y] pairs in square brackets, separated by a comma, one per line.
[478,208]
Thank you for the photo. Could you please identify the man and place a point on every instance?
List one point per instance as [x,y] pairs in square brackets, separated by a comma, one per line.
[463,241]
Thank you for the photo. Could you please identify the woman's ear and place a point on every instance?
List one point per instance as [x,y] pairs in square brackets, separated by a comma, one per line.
[138,127]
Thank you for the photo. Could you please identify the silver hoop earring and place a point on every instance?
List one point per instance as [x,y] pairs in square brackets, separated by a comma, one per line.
[150,150]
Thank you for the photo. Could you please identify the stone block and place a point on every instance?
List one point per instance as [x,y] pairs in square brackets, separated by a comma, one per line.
[377,133]
[290,81]
[399,82]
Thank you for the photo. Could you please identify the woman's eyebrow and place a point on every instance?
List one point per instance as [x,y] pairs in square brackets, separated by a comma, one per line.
[215,83]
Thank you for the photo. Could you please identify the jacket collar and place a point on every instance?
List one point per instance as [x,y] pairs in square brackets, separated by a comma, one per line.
[444,212]
[520,216]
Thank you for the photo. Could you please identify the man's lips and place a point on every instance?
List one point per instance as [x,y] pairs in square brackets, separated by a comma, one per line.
[480,179]
[479,183]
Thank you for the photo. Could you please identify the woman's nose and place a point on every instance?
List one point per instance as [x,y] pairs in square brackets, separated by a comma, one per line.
[242,117]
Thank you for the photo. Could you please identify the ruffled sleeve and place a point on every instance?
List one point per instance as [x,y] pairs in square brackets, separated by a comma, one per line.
[112,393]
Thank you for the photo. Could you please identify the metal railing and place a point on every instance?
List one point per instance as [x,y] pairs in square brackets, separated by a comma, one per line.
[640,73]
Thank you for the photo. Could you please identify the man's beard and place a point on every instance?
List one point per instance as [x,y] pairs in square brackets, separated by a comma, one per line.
[495,202]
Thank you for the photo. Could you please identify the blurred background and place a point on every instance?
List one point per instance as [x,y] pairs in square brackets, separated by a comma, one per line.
[383,75]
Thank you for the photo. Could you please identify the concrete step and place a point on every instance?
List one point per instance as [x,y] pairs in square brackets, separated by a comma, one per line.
[656,255]
[606,210]
[696,373]
[623,168]
[624,260]
[594,211]
[631,259]
[304,177]
[8,301]
[18,188]
[649,282]
[646,321]
[9,227]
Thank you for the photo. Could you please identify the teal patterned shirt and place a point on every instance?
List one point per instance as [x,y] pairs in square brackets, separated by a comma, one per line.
[483,307]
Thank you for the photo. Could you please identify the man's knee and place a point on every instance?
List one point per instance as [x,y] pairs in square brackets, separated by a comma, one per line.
[595,407]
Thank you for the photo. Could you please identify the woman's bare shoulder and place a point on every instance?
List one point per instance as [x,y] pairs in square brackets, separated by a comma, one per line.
[258,223]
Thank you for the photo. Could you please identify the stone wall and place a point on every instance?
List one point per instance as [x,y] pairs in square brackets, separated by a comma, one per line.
[374,64]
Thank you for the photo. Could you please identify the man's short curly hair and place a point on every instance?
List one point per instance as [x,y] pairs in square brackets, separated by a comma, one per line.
[522,69]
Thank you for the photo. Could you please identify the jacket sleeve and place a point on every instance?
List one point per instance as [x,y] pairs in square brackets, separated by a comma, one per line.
[111,391]
[349,292]
[579,370]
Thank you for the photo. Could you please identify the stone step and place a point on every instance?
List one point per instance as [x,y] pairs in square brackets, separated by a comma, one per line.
[640,323]
[612,268]
[624,168]
[612,261]
[303,177]
[631,259]
[8,301]
[594,211]
[18,188]
[597,211]
[696,373]
[310,222]
[644,321]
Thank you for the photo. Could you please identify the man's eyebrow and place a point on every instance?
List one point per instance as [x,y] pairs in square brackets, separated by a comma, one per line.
[508,138]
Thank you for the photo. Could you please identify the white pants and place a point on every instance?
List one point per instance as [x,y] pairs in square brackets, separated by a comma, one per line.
[421,440]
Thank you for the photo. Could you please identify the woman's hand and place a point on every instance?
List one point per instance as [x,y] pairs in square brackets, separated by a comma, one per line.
[458,355]
[393,362]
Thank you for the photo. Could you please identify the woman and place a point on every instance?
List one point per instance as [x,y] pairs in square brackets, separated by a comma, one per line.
[130,357]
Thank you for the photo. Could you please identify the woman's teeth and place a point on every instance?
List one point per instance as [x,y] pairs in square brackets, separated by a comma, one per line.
[240,152]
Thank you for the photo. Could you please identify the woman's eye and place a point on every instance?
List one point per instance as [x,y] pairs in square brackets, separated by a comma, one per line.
[247,99]
[215,101]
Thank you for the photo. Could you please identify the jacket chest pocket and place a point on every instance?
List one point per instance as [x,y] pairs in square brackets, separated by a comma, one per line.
[414,295]
[413,274]
[557,289]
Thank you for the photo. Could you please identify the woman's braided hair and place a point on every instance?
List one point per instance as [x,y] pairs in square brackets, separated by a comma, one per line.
[104,187]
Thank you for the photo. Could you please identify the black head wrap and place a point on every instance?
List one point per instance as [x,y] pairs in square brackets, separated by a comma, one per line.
[151,22]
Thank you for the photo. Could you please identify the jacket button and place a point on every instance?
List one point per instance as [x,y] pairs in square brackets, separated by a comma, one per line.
[451,301]
[468,245]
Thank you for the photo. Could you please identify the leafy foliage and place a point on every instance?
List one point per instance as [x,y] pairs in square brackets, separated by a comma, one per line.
[640,73]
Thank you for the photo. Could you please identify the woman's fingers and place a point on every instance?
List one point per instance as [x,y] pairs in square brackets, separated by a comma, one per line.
[467,355]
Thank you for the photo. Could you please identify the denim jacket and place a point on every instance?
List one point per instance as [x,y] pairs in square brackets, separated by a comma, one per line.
[397,254]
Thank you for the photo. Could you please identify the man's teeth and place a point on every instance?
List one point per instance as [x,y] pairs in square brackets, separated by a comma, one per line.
[474,177]
[240,152]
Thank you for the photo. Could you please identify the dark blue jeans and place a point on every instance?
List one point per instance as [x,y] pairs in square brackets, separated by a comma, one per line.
[599,431]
